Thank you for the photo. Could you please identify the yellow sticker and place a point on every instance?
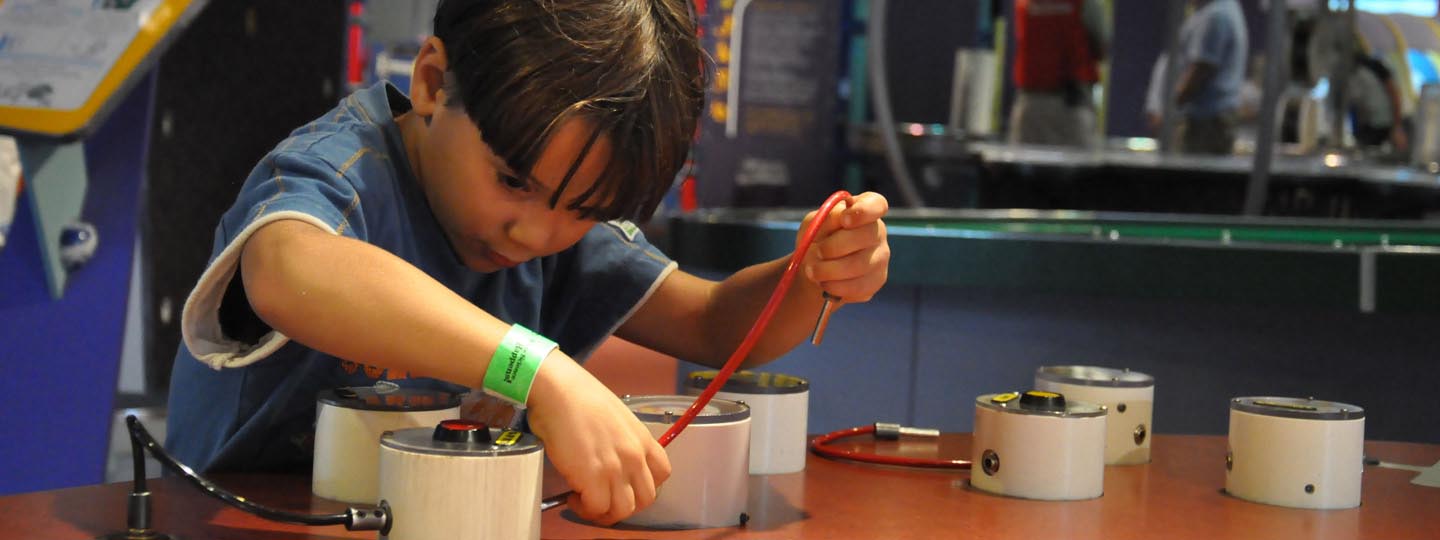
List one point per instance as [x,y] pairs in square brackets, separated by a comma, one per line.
[1043,394]
[508,438]
[1003,398]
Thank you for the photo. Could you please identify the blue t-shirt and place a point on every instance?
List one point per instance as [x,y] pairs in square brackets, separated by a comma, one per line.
[248,402]
[1216,35]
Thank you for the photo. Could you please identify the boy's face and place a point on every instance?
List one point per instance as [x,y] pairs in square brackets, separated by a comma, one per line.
[494,218]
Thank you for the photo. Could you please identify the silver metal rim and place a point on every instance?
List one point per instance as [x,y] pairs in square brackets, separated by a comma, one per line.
[1302,408]
[1094,376]
[420,441]
[718,411]
[1073,409]
[745,382]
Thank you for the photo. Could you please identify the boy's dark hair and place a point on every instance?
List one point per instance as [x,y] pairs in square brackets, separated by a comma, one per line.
[630,68]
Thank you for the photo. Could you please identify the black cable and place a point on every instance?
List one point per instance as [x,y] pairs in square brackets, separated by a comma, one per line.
[137,511]
[355,519]
[137,456]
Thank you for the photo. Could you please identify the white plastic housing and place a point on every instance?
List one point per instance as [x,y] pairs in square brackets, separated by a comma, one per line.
[347,448]
[709,472]
[1040,457]
[777,429]
[1273,459]
[454,497]
[1121,426]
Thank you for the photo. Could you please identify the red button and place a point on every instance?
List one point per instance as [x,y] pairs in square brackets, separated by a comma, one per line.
[462,431]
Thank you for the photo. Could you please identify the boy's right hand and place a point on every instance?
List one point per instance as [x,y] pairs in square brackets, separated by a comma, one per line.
[608,457]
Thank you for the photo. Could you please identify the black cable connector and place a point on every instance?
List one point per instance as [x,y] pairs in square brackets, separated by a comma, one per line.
[354,519]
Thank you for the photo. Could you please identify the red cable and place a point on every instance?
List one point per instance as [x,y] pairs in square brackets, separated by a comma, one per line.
[818,445]
[762,321]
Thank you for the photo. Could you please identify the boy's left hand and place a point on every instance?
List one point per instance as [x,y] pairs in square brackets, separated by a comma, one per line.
[851,255]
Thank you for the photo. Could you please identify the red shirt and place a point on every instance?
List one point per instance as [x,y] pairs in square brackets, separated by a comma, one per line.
[1051,47]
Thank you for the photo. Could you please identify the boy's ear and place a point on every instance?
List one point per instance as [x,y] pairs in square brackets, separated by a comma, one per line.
[427,78]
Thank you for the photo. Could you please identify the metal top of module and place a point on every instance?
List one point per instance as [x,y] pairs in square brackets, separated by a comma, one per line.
[1302,408]
[1039,403]
[667,409]
[752,382]
[1094,376]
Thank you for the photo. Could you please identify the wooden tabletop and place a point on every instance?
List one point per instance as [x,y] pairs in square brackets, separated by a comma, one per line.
[1177,495]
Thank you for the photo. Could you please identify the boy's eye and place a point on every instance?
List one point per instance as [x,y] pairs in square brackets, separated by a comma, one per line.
[513,182]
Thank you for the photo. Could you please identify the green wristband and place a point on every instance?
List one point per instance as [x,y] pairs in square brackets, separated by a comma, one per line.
[512,369]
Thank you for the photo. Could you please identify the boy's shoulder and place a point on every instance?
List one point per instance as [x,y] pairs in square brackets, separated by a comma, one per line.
[351,124]
[624,229]
[353,134]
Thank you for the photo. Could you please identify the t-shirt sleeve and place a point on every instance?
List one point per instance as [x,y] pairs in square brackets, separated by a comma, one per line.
[610,273]
[1216,38]
[287,185]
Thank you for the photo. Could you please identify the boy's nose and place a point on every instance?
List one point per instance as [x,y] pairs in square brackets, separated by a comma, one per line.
[533,231]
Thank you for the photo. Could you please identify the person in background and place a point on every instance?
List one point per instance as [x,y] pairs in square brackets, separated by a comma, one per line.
[1058,47]
[1213,47]
[1249,102]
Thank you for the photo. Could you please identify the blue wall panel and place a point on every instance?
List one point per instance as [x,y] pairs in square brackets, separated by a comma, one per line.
[59,359]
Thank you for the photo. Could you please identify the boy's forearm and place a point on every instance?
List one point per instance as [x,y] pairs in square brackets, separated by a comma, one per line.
[358,302]
[739,299]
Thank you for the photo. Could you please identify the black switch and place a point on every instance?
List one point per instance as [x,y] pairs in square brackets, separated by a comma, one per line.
[1039,400]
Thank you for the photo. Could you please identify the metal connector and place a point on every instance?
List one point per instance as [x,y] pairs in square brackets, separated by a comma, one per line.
[889,432]
[832,302]
[369,519]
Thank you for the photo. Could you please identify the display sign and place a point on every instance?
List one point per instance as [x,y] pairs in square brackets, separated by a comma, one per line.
[64,62]
[769,129]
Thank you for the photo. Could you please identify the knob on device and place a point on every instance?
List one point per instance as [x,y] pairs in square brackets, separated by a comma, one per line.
[462,432]
[1038,400]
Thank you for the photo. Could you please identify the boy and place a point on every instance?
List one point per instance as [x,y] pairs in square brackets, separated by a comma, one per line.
[413,240]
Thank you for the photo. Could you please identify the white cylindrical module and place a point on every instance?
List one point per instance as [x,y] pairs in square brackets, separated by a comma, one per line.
[779,406]
[348,426]
[1129,400]
[709,463]
[1300,453]
[1036,445]
[461,481]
